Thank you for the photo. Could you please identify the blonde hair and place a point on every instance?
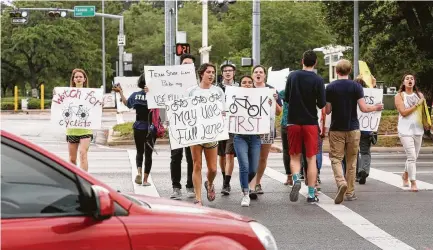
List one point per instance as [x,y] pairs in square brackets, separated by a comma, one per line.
[343,67]
[72,83]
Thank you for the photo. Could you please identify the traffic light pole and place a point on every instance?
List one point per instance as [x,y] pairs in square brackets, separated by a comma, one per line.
[121,25]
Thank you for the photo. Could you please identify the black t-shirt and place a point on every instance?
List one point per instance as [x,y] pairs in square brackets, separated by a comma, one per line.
[304,91]
[343,96]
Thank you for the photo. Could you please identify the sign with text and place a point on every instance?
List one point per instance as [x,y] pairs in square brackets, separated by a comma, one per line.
[278,79]
[77,107]
[248,110]
[195,120]
[370,121]
[129,86]
[108,100]
[270,137]
[168,83]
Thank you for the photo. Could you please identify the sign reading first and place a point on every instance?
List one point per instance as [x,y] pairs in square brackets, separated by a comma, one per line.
[168,83]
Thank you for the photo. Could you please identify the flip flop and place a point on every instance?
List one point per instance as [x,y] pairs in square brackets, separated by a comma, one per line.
[146,184]
[211,192]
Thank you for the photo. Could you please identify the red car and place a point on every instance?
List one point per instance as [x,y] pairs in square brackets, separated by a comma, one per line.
[49,204]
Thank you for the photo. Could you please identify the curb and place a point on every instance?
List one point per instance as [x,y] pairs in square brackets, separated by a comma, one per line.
[38,111]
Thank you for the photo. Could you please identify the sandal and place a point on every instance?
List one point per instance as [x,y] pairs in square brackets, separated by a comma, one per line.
[210,191]
[198,203]
[405,181]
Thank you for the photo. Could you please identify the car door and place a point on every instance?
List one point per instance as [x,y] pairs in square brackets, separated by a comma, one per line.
[44,207]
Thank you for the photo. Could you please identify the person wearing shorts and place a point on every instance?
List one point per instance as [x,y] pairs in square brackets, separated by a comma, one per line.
[206,74]
[226,151]
[305,92]
[79,138]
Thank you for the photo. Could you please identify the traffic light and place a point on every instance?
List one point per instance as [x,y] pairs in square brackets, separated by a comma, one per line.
[18,14]
[56,13]
[182,48]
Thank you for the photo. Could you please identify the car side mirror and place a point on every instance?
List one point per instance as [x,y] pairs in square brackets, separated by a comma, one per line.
[104,204]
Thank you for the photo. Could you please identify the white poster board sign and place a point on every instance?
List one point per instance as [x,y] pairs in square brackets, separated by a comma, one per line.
[109,100]
[77,107]
[248,110]
[269,138]
[195,120]
[370,121]
[129,86]
[168,83]
[278,79]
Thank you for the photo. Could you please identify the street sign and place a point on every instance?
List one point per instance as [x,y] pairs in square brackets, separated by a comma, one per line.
[121,41]
[182,48]
[19,20]
[84,11]
[127,57]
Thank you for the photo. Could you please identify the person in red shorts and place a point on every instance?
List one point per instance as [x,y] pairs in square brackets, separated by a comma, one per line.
[304,91]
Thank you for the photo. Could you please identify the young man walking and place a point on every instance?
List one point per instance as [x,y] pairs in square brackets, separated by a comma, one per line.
[305,92]
[226,150]
[342,99]
[177,155]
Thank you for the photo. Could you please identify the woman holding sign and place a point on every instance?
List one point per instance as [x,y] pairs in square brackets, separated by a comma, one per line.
[409,103]
[206,74]
[144,139]
[79,138]
[259,76]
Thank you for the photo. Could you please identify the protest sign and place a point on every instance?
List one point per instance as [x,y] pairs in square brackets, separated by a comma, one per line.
[108,100]
[168,83]
[370,121]
[77,107]
[129,86]
[248,110]
[195,120]
[278,79]
[269,138]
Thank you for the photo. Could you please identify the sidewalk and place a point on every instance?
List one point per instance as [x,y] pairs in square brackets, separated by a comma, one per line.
[44,111]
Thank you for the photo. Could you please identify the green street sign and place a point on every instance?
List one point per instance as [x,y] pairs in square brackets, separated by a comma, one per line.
[84,11]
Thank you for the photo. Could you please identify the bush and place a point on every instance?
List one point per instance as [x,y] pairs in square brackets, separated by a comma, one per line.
[9,106]
[35,103]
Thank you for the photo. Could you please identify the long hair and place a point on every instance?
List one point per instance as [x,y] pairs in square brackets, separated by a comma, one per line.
[72,83]
[403,88]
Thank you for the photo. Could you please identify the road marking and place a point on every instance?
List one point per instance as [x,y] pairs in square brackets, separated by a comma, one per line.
[395,180]
[140,189]
[354,221]
[417,172]
[119,118]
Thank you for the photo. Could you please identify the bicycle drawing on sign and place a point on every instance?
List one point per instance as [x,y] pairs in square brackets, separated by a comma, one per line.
[180,103]
[198,99]
[253,110]
[81,112]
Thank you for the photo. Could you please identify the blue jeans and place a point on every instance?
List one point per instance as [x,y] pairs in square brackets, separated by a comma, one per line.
[247,148]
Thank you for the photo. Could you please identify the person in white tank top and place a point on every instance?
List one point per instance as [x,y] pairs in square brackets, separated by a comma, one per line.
[409,103]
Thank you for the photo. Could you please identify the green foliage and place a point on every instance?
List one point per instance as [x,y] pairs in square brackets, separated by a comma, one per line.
[395,37]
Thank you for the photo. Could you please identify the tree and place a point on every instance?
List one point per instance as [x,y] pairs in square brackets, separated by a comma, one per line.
[395,37]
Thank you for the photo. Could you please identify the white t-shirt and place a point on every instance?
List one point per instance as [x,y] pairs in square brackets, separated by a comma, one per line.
[411,124]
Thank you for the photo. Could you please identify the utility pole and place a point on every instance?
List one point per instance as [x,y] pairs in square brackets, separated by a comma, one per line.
[103,49]
[170,31]
[355,39]
[256,32]
[121,34]
[204,50]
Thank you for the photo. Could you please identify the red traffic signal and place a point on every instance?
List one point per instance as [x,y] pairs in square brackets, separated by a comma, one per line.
[182,48]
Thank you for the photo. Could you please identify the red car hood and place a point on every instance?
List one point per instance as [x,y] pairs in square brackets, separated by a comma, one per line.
[184,208]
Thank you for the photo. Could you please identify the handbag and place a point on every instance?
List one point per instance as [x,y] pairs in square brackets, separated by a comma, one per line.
[426,119]
[155,128]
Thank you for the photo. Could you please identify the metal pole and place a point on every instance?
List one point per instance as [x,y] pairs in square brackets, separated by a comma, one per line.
[121,47]
[205,49]
[103,49]
[173,29]
[167,18]
[256,32]
[356,39]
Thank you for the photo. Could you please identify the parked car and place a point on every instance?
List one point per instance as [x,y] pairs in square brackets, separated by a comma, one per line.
[50,204]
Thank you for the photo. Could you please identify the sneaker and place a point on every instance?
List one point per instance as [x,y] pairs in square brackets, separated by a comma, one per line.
[301,176]
[340,194]
[177,194]
[190,193]
[294,194]
[259,189]
[253,195]
[312,200]
[226,190]
[351,197]
[362,177]
[245,201]
[138,179]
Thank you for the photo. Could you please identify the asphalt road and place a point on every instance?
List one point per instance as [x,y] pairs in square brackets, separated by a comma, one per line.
[385,216]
